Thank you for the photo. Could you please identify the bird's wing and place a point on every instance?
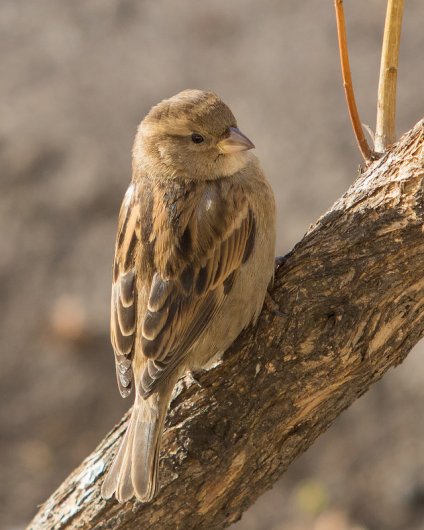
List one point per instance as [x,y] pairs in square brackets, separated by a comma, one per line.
[199,236]
[124,295]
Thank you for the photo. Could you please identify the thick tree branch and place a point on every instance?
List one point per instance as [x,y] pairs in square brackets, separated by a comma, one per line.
[351,305]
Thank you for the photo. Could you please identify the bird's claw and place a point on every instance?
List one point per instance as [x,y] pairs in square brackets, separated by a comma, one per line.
[272,306]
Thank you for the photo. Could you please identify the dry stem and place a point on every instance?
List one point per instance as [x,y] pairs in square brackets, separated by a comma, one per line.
[347,83]
[385,133]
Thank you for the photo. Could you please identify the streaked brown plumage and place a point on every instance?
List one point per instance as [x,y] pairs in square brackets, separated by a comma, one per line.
[193,259]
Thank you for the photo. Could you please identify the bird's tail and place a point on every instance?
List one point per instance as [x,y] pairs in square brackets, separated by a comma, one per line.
[135,468]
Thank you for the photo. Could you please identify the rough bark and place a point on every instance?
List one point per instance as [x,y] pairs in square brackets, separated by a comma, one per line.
[349,304]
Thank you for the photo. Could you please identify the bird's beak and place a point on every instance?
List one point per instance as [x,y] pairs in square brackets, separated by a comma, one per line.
[235,142]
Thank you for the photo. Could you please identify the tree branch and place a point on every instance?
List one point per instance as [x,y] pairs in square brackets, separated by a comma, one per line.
[385,132]
[347,84]
[351,305]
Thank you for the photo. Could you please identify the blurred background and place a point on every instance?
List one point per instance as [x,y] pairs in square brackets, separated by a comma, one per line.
[76,78]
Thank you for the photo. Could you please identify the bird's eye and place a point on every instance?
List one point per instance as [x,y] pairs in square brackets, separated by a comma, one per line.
[197,138]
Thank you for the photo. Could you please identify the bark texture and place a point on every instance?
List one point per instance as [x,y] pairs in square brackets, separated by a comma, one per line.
[348,305]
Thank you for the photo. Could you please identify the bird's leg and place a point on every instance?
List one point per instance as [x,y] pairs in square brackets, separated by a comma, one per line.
[279,262]
[193,380]
[190,376]
[272,306]
[270,303]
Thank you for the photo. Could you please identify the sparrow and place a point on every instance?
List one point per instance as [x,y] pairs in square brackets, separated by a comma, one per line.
[194,256]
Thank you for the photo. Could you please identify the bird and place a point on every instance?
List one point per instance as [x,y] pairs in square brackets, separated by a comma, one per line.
[194,257]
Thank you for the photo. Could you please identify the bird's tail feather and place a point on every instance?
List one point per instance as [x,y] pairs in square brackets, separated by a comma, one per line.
[135,468]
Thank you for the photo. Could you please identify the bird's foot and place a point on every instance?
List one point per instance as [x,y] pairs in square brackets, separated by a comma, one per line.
[272,306]
[193,381]
[279,262]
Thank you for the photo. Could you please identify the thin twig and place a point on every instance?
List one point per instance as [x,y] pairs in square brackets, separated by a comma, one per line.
[385,133]
[347,83]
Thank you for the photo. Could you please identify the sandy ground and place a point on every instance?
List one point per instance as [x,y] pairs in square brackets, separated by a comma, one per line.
[76,78]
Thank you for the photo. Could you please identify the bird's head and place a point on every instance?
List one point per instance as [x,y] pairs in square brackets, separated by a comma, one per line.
[192,135]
